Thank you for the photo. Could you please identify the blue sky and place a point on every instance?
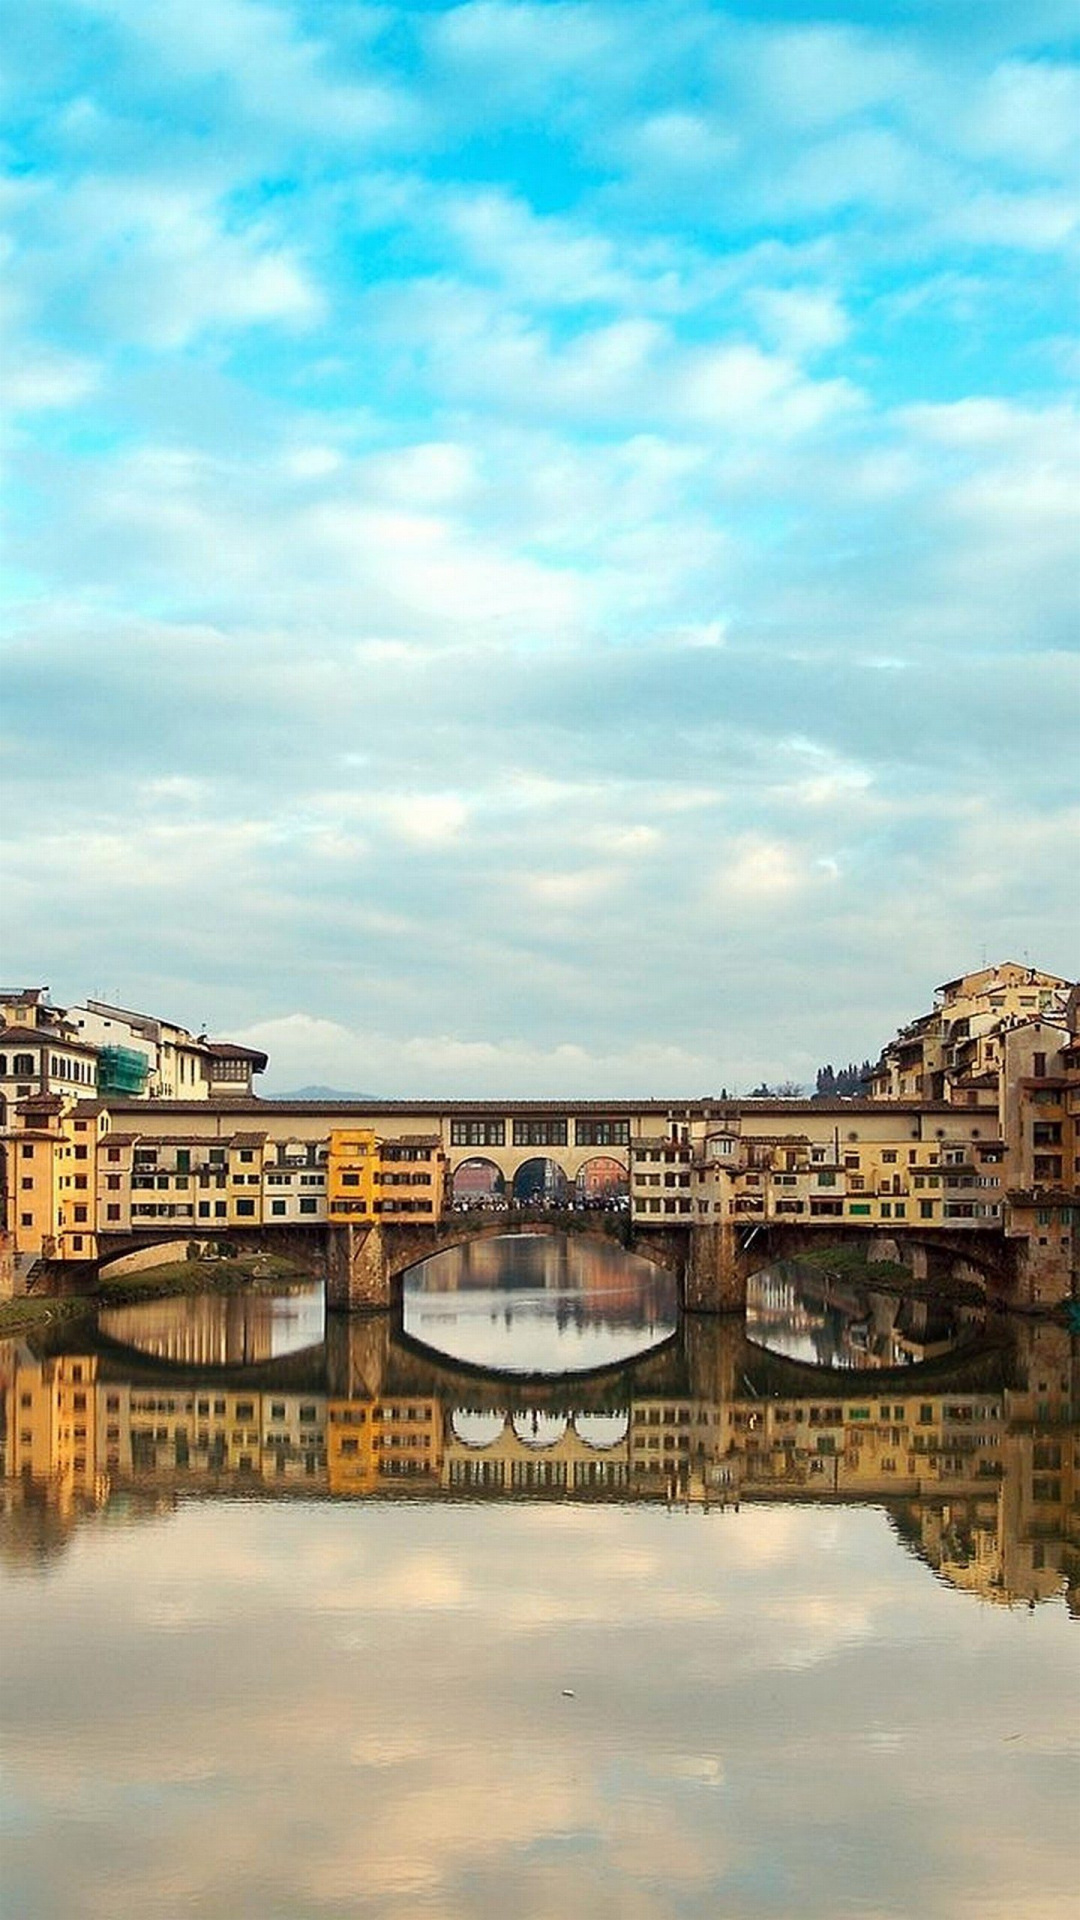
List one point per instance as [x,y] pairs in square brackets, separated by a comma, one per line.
[542,541]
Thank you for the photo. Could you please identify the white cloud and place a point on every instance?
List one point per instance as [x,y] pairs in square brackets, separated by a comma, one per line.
[802,320]
[757,870]
[1026,111]
[36,380]
[428,819]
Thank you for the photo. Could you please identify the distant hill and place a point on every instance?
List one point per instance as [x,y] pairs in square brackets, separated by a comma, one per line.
[321,1093]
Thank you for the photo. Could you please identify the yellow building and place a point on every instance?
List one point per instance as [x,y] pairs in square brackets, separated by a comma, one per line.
[352,1163]
[412,1178]
[50,1156]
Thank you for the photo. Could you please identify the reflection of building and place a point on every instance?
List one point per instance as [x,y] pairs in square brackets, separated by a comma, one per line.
[534,1455]
[371,1442]
[982,1480]
[231,1330]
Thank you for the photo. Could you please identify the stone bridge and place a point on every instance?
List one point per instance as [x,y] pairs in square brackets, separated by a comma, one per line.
[363,1265]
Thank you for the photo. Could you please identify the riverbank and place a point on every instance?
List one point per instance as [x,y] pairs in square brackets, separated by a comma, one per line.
[248,1273]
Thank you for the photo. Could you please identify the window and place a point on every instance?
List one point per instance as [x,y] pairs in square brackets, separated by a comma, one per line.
[602,1133]
[308,1206]
[546,1132]
[245,1209]
[277,1206]
[478,1133]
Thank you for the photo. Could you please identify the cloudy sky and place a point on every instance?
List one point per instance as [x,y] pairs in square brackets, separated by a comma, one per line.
[542,545]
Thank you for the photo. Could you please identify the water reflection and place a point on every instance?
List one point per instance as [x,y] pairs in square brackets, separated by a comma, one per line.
[539,1304]
[354,1629]
[220,1330]
[796,1309]
[975,1457]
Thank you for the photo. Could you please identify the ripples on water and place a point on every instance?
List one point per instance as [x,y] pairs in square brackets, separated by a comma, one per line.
[302,1626]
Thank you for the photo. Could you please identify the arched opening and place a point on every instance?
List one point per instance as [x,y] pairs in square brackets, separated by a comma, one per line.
[478,1183]
[602,1430]
[477,1429]
[602,1182]
[541,1183]
[537,1429]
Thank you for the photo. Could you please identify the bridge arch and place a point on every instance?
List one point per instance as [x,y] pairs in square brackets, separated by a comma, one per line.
[601,1179]
[478,1182]
[541,1181]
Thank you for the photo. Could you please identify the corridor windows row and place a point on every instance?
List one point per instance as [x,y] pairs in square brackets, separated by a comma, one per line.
[538,1130]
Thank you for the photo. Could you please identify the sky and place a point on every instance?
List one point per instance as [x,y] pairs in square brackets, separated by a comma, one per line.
[542,536]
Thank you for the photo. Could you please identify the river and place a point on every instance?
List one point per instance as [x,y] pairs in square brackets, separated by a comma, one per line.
[533,1601]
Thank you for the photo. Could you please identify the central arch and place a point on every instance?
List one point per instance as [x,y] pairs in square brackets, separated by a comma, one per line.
[541,1182]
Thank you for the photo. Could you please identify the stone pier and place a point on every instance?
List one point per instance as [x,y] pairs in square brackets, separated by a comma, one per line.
[357,1269]
[716,1269]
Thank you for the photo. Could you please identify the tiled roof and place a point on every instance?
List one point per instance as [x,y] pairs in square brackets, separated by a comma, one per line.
[42,1037]
[229,1050]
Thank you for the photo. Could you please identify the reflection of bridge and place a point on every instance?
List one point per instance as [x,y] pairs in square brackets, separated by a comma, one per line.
[369,1358]
[977,1459]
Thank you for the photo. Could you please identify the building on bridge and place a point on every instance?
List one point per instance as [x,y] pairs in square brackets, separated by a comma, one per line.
[975,1127]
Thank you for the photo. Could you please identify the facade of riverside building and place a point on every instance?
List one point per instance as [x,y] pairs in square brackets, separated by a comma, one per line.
[973,1123]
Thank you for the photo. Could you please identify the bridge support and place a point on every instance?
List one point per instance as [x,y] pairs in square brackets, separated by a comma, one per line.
[716,1270]
[357,1269]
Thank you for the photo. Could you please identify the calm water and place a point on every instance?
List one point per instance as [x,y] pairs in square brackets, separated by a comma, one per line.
[303,1626]
[541,1303]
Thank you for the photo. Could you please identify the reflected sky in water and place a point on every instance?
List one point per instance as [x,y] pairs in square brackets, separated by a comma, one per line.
[544,1304]
[236,1690]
